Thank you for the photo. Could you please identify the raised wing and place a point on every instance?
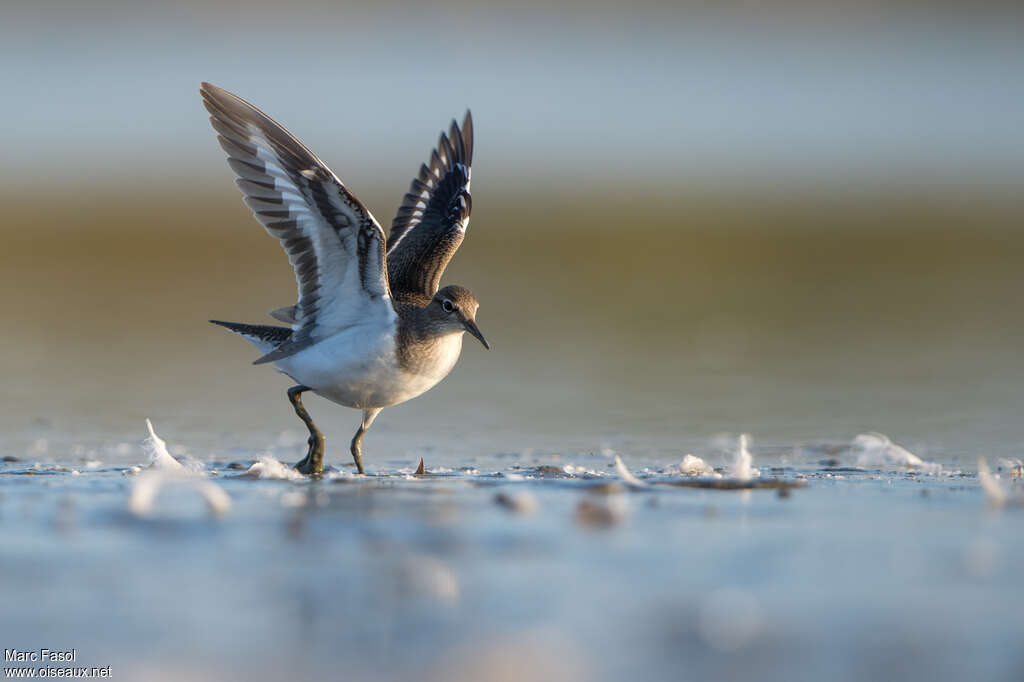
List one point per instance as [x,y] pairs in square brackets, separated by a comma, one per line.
[432,220]
[334,244]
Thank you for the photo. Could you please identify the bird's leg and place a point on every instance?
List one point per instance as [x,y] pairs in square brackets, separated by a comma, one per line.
[357,440]
[313,462]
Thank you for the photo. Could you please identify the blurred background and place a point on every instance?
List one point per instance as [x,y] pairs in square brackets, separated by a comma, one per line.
[801,220]
[797,219]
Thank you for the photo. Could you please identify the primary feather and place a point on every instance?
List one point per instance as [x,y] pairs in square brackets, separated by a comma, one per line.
[333,242]
[432,220]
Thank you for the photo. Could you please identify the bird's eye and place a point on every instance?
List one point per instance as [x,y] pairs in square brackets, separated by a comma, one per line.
[448,306]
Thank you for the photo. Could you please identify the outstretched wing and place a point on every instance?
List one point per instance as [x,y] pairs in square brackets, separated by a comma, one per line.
[432,220]
[334,244]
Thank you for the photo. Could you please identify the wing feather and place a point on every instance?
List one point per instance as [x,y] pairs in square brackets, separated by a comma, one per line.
[334,244]
[432,220]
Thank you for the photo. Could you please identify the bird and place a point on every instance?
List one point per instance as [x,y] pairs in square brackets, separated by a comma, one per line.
[372,326]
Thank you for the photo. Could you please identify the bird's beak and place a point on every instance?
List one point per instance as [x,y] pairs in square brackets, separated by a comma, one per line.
[471,327]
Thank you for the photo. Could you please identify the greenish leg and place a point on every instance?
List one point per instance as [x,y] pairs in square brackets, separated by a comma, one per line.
[357,440]
[313,463]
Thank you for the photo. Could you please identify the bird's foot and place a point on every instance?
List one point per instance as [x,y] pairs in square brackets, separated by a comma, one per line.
[313,463]
[357,457]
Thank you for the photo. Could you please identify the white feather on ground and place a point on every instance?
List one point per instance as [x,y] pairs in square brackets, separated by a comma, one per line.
[627,477]
[876,450]
[156,448]
[163,470]
[742,467]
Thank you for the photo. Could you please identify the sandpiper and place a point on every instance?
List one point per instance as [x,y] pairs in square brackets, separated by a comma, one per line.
[371,329]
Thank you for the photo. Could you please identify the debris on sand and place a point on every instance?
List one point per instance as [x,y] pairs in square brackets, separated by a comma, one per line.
[165,470]
[997,494]
[876,450]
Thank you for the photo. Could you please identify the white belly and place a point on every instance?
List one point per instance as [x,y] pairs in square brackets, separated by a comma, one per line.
[359,368]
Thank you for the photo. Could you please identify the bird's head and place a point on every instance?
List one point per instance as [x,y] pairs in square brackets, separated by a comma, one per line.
[454,308]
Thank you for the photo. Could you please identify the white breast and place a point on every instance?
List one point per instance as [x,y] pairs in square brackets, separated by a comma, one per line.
[359,368]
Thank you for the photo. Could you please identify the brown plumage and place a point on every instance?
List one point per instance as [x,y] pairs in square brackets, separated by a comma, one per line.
[432,220]
[422,327]
[370,328]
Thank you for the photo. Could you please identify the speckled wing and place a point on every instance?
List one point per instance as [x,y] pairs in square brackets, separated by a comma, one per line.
[333,242]
[432,220]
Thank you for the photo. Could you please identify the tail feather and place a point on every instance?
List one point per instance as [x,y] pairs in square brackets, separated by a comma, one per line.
[265,337]
[286,314]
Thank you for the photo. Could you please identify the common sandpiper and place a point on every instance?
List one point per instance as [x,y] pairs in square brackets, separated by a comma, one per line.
[371,327]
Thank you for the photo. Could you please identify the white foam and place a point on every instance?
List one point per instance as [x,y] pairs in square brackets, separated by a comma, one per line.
[270,468]
[877,450]
[742,464]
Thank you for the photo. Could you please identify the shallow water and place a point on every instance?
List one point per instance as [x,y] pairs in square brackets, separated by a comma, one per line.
[515,565]
[802,323]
